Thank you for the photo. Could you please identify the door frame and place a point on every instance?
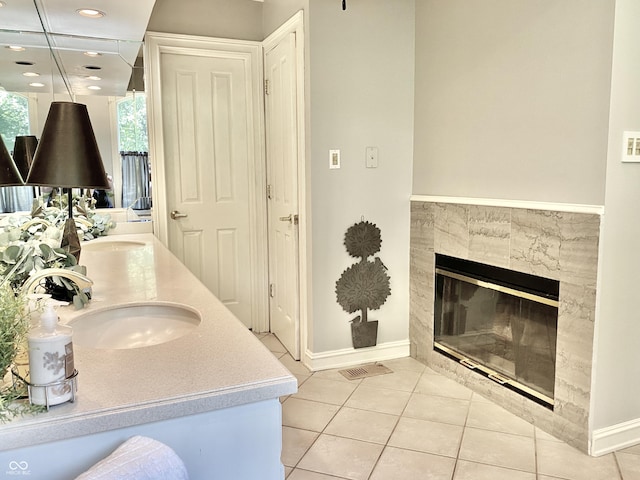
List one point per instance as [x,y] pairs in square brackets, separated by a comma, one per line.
[296,25]
[155,45]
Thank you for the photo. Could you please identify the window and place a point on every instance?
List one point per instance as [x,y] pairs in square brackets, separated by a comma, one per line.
[133,144]
[132,123]
[14,117]
[14,121]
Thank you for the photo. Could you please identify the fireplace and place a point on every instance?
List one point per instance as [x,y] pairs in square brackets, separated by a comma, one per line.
[559,244]
[498,322]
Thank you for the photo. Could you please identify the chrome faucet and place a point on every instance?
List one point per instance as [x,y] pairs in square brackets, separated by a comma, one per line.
[82,281]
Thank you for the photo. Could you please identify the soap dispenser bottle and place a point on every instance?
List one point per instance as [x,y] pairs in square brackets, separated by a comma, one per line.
[50,361]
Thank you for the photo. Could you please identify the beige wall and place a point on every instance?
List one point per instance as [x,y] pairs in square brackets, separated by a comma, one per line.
[512,99]
[238,19]
[361,94]
[618,327]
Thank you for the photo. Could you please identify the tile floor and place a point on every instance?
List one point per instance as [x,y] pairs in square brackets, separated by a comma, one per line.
[416,424]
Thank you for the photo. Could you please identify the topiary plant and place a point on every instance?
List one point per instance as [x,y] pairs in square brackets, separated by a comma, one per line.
[364,285]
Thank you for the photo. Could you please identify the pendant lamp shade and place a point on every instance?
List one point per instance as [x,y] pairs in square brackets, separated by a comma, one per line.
[9,174]
[68,155]
[23,151]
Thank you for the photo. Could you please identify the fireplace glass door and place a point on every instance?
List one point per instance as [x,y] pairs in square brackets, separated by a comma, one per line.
[506,333]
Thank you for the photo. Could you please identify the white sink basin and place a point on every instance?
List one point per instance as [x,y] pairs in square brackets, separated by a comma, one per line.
[134,325]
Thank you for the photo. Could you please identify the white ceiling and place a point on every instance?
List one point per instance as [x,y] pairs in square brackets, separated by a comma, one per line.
[117,36]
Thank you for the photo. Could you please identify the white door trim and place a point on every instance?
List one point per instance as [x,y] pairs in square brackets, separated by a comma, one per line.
[296,25]
[155,45]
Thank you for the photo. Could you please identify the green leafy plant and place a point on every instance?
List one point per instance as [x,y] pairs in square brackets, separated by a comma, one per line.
[14,326]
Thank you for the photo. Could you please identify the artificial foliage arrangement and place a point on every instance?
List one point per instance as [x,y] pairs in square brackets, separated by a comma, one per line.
[364,285]
[31,243]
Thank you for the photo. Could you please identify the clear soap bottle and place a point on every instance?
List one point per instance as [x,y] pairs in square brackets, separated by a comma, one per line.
[50,361]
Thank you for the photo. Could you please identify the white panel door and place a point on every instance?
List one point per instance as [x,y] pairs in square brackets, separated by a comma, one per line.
[282,178]
[207,129]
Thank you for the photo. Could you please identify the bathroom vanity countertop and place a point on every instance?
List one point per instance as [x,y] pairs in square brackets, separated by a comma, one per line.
[220,364]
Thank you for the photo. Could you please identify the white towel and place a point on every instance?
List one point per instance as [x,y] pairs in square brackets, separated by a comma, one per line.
[139,458]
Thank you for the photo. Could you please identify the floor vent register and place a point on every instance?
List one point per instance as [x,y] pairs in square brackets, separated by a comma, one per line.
[363,371]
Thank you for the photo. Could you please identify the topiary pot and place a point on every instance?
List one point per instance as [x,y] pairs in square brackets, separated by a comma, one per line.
[364,334]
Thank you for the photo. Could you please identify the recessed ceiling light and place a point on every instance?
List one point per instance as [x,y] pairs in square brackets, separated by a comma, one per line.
[90,13]
[36,84]
[94,78]
[94,87]
[93,54]
[2,4]
[16,48]
[31,74]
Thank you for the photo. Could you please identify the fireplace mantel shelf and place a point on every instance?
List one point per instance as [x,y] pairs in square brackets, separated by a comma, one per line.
[498,202]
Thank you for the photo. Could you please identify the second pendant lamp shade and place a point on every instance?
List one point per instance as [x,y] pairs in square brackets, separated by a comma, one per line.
[23,152]
[67,154]
[9,174]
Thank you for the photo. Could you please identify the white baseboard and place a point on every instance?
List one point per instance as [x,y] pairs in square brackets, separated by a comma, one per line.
[616,437]
[351,356]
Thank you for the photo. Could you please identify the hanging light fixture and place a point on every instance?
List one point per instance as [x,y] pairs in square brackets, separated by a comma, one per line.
[68,157]
[24,149]
[9,174]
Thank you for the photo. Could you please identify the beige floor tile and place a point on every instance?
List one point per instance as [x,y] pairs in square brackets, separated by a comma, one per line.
[402,464]
[307,414]
[327,391]
[442,386]
[380,400]
[561,460]
[287,471]
[542,435]
[404,380]
[405,363]
[635,450]
[362,425]
[301,378]
[295,367]
[299,474]
[499,449]
[489,416]
[476,397]
[437,409]
[477,471]
[341,457]
[629,464]
[273,344]
[425,436]
[295,443]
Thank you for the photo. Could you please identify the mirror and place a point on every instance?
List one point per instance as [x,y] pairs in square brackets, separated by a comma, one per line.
[44,39]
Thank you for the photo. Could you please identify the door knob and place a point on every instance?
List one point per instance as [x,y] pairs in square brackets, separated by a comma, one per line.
[175,214]
[291,218]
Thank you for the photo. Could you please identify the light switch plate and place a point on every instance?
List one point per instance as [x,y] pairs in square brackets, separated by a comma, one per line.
[334,158]
[371,157]
[631,147]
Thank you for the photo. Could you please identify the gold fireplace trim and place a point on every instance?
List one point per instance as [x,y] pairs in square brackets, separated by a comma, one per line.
[499,288]
[495,376]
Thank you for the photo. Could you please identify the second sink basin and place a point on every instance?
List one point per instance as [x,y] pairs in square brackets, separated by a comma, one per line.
[134,325]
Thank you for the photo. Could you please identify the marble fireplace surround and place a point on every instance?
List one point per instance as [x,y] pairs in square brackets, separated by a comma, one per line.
[556,241]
